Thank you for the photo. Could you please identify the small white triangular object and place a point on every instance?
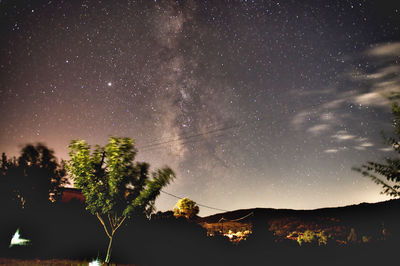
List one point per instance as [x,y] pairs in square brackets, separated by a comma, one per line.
[17,241]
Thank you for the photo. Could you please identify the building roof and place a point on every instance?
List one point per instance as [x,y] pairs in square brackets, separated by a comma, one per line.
[68,194]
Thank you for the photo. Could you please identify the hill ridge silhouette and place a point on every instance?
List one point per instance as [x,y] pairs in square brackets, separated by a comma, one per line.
[364,208]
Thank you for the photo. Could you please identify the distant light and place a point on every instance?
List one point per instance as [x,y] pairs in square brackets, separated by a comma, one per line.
[109,84]
[95,262]
[17,241]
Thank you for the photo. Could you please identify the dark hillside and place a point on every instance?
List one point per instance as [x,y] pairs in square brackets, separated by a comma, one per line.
[369,221]
[383,208]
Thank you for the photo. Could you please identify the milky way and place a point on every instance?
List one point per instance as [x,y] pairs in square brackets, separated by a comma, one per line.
[252,103]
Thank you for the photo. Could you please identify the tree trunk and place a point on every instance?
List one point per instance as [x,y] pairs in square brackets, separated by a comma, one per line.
[109,250]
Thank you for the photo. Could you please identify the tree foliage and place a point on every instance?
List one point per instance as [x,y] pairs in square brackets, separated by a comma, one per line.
[31,179]
[390,170]
[186,207]
[113,185]
[313,238]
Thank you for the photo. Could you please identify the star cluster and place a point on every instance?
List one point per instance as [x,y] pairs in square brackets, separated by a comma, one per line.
[252,103]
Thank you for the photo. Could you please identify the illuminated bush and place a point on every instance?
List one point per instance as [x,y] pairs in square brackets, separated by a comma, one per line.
[186,207]
[313,238]
[366,239]
[322,239]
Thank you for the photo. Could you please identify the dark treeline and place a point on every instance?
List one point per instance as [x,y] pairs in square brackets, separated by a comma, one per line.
[30,200]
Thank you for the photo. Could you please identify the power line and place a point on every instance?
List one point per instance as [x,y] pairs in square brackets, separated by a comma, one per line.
[202,205]
[157,144]
[186,134]
[182,137]
[238,219]
[185,142]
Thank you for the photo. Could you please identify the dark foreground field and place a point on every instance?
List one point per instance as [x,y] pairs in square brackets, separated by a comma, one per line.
[52,262]
[258,256]
[68,235]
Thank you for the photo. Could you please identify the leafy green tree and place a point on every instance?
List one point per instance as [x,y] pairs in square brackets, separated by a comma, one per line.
[114,186]
[390,170]
[186,207]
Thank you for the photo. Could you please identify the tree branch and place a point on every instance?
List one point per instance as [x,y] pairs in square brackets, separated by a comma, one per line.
[104,225]
[123,219]
[111,223]
[102,159]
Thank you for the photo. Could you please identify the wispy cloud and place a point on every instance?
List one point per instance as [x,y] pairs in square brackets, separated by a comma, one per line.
[331,151]
[388,49]
[364,145]
[300,118]
[371,98]
[367,144]
[342,135]
[318,129]
[386,71]
[328,116]
[367,80]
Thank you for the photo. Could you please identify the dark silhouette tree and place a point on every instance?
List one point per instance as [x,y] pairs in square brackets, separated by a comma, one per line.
[27,183]
[32,179]
[8,183]
[115,188]
[390,170]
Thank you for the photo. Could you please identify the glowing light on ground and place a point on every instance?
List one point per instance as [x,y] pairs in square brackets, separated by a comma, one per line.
[17,241]
[237,236]
[95,262]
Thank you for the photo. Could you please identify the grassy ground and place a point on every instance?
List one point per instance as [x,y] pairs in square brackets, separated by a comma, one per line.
[53,262]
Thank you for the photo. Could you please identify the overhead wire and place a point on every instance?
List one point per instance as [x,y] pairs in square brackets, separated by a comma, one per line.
[156,145]
[184,134]
[185,142]
[236,220]
[202,205]
[182,137]
[161,144]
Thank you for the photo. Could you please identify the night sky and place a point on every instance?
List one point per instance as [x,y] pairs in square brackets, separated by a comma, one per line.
[252,103]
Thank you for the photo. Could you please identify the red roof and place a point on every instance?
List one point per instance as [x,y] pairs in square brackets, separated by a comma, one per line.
[69,194]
